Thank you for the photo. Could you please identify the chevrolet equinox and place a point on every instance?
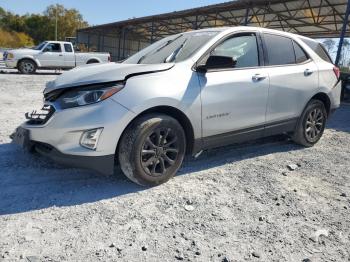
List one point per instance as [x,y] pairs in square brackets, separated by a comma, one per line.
[184,94]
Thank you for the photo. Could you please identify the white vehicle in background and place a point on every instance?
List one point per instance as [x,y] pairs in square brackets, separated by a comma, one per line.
[50,55]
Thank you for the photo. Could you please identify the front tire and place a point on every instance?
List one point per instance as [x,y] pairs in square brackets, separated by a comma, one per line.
[311,124]
[27,66]
[152,149]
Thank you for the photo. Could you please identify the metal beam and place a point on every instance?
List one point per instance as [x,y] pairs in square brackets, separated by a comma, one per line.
[342,34]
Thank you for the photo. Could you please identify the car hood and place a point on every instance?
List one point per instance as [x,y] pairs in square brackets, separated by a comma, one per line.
[102,73]
[25,51]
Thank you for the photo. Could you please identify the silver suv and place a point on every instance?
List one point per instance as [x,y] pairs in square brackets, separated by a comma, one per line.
[183,94]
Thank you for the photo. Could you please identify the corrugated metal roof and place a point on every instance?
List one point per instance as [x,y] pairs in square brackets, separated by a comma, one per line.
[314,18]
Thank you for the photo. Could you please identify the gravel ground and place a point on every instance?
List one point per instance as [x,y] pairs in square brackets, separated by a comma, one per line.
[231,204]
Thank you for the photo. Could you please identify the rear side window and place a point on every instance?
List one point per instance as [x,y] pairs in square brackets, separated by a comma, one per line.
[318,49]
[68,48]
[280,50]
[300,55]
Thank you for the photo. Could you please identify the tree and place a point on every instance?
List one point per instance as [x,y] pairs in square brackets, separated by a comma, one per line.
[329,44]
[42,26]
[68,21]
[14,39]
[344,53]
[39,27]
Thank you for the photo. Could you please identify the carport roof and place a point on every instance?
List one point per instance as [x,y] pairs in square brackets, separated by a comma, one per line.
[313,18]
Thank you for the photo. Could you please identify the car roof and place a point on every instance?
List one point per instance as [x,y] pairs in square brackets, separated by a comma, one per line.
[253,28]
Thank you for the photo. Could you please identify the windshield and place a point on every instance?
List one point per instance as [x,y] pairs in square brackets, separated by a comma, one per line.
[172,49]
[40,46]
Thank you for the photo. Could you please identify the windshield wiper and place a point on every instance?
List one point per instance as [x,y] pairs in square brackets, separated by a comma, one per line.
[174,54]
[160,48]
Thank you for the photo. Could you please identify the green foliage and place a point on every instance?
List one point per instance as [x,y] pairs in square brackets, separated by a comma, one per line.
[41,27]
[15,39]
[68,20]
[344,69]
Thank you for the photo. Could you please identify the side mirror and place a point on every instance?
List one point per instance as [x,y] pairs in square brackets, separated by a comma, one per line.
[217,62]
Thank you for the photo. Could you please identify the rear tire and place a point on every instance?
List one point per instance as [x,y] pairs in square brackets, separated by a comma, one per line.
[152,149]
[311,124]
[27,66]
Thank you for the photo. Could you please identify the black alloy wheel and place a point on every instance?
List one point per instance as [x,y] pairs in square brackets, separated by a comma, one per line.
[159,151]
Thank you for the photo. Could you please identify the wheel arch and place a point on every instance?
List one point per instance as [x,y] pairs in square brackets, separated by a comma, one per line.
[27,58]
[93,61]
[324,98]
[172,112]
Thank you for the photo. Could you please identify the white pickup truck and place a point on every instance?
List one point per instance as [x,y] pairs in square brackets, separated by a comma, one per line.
[50,55]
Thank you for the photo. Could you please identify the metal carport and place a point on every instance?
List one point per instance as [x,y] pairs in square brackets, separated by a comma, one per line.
[312,18]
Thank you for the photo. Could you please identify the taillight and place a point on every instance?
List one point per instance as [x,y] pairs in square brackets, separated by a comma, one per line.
[109,58]
[336,71]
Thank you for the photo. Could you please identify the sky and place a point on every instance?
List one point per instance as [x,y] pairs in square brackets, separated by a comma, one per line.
[106,11]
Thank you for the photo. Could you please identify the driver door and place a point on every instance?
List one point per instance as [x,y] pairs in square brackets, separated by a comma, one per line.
[234,99]
[52,56]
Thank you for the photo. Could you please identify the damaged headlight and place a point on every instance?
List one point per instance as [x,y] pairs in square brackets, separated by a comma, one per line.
[82,96]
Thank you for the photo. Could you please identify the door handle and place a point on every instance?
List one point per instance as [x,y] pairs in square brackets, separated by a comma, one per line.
[258,77]
[308,72]
[60,55]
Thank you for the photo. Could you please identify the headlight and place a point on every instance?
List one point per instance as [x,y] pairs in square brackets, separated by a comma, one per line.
[88,95]
[10,56]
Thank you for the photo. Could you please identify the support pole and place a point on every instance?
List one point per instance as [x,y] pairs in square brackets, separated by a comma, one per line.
[124,41]
[88,42]
[246,16]
[152,32]
[56,22]
[342,34]
[119,44]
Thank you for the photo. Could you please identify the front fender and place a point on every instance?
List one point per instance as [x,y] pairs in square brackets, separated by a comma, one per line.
[174,88]
[28,57]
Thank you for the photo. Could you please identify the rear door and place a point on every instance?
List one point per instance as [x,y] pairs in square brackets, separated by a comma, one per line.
[69,56]
[293,78]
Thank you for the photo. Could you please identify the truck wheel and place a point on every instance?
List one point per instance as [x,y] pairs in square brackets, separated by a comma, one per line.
[27,66]
[311,124]
[152,149]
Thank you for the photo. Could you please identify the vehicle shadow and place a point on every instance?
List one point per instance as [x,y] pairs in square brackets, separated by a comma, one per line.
[340,121]
[30,182]
[238,152]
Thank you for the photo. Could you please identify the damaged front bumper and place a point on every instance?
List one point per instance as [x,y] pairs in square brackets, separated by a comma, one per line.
[57,134]
[102,164]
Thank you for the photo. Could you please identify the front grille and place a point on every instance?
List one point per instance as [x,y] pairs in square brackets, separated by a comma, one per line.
[41,117]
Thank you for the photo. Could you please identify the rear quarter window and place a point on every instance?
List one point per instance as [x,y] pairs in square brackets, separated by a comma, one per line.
[68,48]
[318,49]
